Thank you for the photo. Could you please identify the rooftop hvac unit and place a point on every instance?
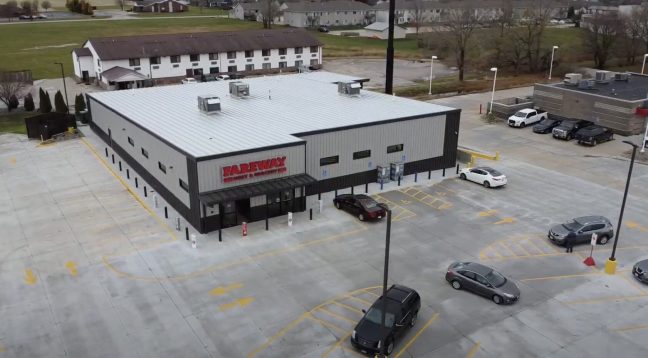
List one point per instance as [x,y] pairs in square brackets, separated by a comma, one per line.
[349,88]
[572,79]
[239,89]
[586,84]
[622,77]
[603,76]
[209,104]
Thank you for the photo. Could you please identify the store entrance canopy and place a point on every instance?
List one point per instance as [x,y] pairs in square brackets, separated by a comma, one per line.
[256,189]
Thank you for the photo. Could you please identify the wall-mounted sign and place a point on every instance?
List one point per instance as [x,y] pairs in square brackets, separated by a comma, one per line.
[253,169]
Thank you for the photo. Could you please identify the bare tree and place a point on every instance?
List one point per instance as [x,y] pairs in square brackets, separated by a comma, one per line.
[641,18]
[46,5]
[418,13]
[312,20]
[629,36]
[269,12]
[460,25]
[35,6]
[532,31]
[10,87]
[369,18]
[26,7]
[120,3]
[9,9]
[600,37]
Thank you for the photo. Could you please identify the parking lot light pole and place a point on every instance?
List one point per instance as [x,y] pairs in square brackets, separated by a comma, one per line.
[64,86]
[611,264]
[494,69]
[431,73]
[644,63]
[383,343]
[553,49]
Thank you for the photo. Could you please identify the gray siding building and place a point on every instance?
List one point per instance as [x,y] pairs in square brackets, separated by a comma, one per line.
[261,153]
[611,103]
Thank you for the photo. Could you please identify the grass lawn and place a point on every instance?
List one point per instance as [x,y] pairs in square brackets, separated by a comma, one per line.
[340,46]
[193,11]
[37,46]
[14,122]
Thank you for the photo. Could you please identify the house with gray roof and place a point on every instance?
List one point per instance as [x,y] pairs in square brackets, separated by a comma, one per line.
[331,13]
[136,61]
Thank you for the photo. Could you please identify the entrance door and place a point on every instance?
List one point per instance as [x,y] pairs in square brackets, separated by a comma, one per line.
[228,214]
[243,210]
[85,76]
[189,72]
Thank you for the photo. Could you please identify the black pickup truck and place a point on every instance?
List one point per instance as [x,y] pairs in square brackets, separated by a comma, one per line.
[593,135]
[568,128]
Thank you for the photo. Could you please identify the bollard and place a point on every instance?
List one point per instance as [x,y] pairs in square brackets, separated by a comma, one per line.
[194,244]
[290,219]
[381,185]
[120,167]
[106,152]
[366,188]
[443,173]
[187,233]
[457,168]
[321,205]
[429,174]
[399,181]
[267,224]
[244,228]
[220,235]
[166,213]
[336,193]
[311,213]
[319,196]
[113,158]
[415,177]
[127,174]
[480,108]
[136,184]
[145,193]
[155,201]
[178,224]
[351,190]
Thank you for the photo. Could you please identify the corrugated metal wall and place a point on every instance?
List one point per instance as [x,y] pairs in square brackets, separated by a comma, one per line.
[422,138]
[121,129]
[210,171]
[616,114]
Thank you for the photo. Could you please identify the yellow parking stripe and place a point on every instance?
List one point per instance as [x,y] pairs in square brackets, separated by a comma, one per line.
[473,350]
[338,344]
[347,307]
[326,323]
[336,315]
[360,300]
[413,339]
[632,328]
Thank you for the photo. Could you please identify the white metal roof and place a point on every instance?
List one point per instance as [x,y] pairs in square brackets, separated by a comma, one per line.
[278,106]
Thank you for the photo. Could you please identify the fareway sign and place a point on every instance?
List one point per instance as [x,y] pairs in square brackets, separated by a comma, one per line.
[252,169]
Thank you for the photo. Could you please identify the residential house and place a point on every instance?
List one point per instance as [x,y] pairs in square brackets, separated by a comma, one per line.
[255,10]
[331,13]
[380,30]
[160,6]
[136,61]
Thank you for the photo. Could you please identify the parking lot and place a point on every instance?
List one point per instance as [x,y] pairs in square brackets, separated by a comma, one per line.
[91,267]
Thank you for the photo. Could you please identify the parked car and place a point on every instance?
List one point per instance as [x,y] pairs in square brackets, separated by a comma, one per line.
[526,116]
[593,135]
[41,16]
[486,176]
[580,230]
[362,206]
[188,80]
[236,76]
[640,271]
[222,77]
[210,77]
[482,280]
[323,28]
[568,128]
[403,305]
[546,125]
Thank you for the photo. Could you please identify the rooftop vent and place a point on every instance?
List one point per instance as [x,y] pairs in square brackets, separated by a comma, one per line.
[603,76]
[572,79]
[209,104]
[586,84]
[349,88]
[622,77]
[239,89]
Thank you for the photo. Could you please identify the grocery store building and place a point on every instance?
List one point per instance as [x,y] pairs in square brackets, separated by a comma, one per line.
[231,151]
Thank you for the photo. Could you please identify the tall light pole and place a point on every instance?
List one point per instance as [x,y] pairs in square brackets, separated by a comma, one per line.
[64,86]
[552,57]
[382,341]
[431,73]
[494,69]
[644,63]
[611,264]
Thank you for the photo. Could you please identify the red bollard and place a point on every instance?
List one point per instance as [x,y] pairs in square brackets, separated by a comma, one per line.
[244,228]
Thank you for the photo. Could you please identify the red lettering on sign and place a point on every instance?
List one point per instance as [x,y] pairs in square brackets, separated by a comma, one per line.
[254,168]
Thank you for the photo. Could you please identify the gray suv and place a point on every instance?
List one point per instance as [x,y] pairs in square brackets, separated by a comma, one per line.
[580,230]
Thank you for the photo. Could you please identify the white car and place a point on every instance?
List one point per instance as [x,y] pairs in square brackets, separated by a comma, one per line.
[488,177]
[222,78]
[189,80]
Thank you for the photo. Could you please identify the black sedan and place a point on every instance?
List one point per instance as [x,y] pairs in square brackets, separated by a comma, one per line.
[546,125]
[403,305]
[593,135]
[482,280]
[362,206]
[640,271]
